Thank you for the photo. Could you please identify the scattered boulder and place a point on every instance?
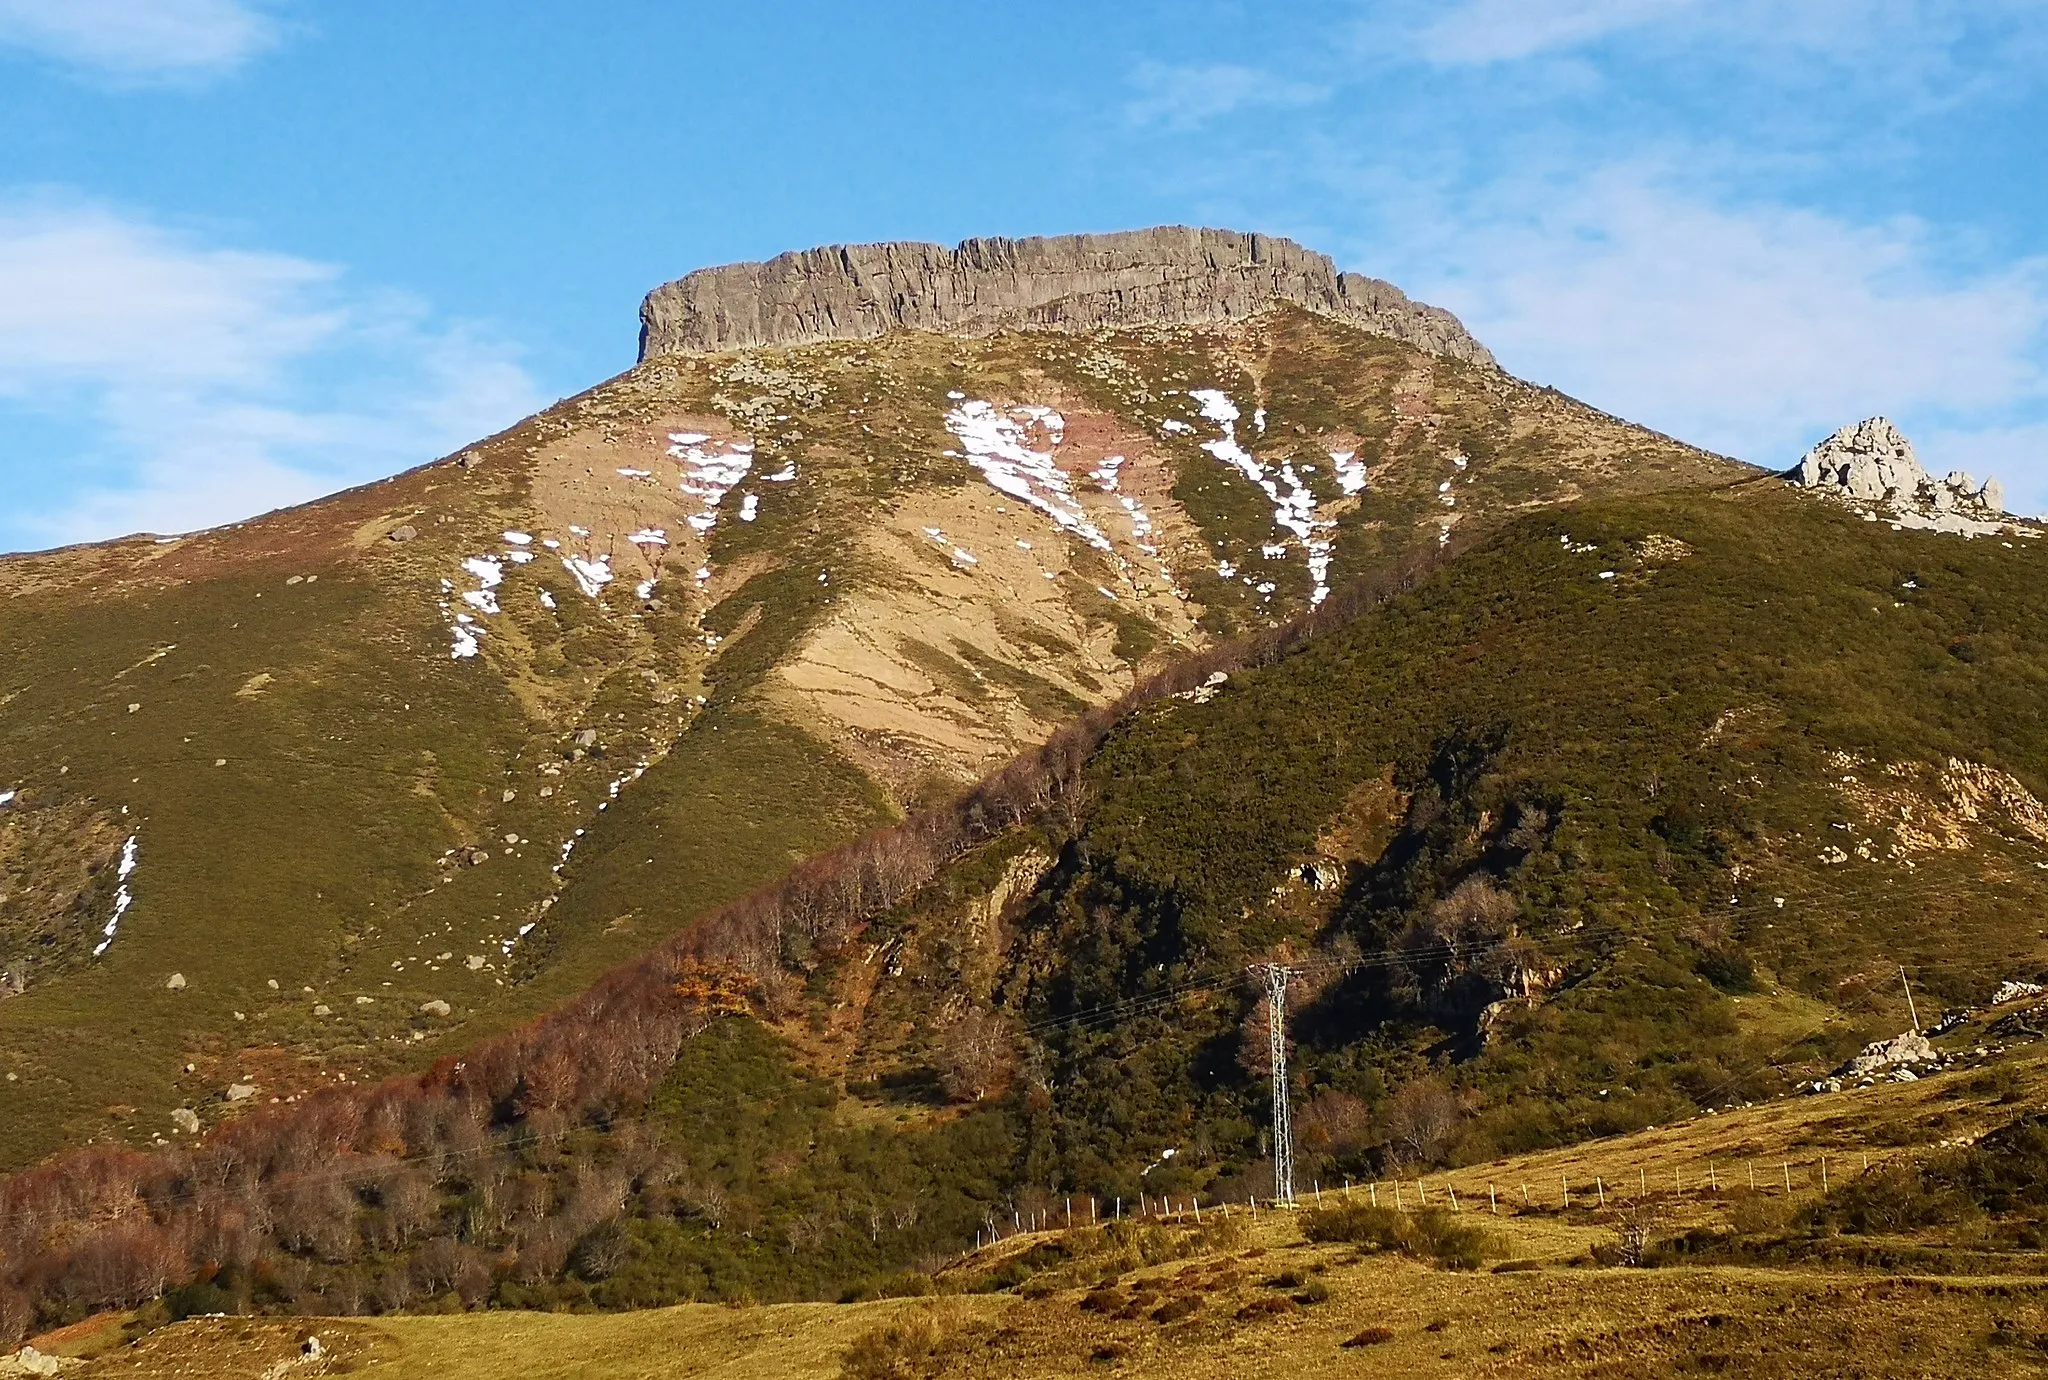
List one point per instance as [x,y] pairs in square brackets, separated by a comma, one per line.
[1888,1060]
[321,1009]
[405,533]
[241,1092]
[586,738]
[176,982]
[186,1120]
[29,1361]
[474,962]
[1207,690]
[436,1007]
[1872,464]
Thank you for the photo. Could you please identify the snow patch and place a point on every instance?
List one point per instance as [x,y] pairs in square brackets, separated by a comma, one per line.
[489,574]
[998,444]
[709,472]
[591,575]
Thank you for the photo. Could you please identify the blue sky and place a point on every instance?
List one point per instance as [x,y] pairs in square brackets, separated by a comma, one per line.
[255,250]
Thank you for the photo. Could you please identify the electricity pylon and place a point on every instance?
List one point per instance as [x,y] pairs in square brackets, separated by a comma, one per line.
[1275,976]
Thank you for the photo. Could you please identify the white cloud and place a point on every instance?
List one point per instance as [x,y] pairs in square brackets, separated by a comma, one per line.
[1884,40]
[140,39]
[1751,330]
[187,385]
[1185,97]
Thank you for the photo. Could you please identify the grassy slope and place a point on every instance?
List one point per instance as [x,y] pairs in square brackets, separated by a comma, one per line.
[311,858]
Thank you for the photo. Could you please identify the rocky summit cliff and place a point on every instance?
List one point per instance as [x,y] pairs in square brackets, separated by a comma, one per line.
[1169,275]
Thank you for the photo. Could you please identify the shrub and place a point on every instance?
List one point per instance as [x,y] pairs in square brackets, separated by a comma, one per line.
[1369,1336]
[911,1346]
[1102,1301]
[1265,1308]
[200,1297]
[1433,1234]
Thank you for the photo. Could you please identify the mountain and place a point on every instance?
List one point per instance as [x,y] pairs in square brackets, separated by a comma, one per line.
[336,792]
[1624,818]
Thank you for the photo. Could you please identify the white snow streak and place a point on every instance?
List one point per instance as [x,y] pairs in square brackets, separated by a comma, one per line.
[123,898]
[998,445]
[1294,505]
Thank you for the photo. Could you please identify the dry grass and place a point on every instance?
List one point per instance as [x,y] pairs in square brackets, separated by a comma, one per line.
[1272,1303]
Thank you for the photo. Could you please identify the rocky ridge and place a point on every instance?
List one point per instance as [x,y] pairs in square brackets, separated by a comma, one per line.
[1871,462]
[1169,275]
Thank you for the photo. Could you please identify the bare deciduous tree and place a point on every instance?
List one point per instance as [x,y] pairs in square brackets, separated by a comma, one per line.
[977,1056]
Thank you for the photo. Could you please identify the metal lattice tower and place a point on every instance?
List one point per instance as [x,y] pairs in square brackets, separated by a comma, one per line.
[1275,976]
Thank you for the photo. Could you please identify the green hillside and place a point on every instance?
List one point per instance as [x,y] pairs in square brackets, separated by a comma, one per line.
[352,851]
[1632,812]
[1705,769]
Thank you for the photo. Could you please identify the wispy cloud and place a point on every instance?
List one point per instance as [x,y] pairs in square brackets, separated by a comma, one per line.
[140,40]
[1183,97]
[1483,31]
[1752,329]
[1901,38]
[175,385]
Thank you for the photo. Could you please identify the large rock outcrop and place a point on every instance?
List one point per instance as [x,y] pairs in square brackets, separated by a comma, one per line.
[1171,275]
[1872,463]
